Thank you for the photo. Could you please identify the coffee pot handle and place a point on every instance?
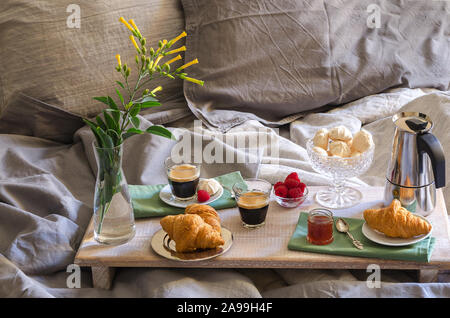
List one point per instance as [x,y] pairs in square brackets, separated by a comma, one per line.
[429,144]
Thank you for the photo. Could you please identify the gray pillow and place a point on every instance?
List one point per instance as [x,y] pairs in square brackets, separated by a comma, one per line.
[273,60]
[28,116]
[42,57]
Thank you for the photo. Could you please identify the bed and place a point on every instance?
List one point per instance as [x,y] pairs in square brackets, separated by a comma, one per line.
[49,74]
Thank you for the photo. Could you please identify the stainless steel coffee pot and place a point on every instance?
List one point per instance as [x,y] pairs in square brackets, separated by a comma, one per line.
[417,165]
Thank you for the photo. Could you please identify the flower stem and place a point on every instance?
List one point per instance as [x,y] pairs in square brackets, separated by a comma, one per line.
[105,209]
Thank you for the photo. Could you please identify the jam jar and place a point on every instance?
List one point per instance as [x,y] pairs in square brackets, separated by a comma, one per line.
[320,227]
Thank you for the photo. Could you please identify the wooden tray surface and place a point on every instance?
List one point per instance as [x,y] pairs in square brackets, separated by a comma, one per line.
[265,247]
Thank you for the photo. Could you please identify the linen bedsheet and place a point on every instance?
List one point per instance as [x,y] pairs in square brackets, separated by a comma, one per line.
[47,187]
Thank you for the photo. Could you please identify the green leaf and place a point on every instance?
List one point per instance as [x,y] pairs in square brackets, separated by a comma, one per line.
[148,99]
[115,136]
[131,132]
[100,135]
[149,104]
[135,110]
[110,122]
[101,123]
[120,84]
[115,114]
[103,99]
[136,122]
[106,140]
[120,96]
[108,101]
[160,131]
[112,104]
[93,127]
[135,131]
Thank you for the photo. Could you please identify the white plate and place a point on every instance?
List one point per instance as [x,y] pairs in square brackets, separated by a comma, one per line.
[164,246]
[381,238]
[166,195]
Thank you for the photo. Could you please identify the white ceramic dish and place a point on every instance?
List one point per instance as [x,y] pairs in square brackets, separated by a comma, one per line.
[382,239]
[166,195]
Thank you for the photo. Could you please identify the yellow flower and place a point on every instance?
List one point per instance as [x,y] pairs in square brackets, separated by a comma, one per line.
[118,59]
[193,80]
[178,57]
[134,43]
[131,21]
[182,35]
[162,43]
[183,48]
[159,88]
[126,24]
[157,60]
[150,65]
[187,65]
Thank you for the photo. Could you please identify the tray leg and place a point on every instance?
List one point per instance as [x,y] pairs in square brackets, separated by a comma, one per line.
[428,275]
[102,277]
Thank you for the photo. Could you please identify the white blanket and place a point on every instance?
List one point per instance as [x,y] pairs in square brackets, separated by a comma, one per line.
[28,269]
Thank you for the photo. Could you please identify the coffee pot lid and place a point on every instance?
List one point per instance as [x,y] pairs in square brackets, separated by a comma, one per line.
[412,122]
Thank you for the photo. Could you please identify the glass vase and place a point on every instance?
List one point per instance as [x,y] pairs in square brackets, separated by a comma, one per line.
[113,212]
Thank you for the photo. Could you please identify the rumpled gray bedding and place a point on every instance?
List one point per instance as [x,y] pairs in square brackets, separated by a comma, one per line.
[271,60]
[47,186]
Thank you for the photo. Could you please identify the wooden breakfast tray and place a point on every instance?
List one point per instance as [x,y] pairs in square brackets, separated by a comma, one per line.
[265,247]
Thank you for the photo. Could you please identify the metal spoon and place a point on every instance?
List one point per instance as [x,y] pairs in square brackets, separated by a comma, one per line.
[342,227]
[232,195]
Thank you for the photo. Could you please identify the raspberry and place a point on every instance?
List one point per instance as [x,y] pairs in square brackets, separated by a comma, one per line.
[302,186]
[276,185]
[291,183]
[293,175]
[281,191]
[295,193]
[202,196]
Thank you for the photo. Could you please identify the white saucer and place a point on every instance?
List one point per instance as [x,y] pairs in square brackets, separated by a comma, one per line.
[166,195]
[381,238]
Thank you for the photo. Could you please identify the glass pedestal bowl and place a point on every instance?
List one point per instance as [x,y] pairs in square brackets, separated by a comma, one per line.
[339,196]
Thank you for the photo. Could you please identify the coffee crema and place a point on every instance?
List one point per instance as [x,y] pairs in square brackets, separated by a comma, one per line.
[253,200]
[183,173]
[253,208]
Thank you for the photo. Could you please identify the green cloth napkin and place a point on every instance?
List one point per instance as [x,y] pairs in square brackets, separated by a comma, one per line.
[342,245]
[146,201]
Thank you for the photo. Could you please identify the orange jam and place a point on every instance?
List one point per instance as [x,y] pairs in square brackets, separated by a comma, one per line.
[320,227]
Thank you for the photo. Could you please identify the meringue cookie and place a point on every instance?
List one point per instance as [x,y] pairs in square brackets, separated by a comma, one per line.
[320,151]
[340,133]
[211,186]
[349,143]
[321,138]
[340,148]
[362,141]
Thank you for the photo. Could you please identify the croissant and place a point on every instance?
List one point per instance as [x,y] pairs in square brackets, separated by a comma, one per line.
[207,213]
[396,221]
[191,232]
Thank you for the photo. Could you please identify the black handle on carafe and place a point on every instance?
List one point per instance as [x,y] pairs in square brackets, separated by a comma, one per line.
[429,144]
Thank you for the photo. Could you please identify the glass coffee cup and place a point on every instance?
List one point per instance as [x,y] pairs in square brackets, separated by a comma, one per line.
[183,179]
[252,198]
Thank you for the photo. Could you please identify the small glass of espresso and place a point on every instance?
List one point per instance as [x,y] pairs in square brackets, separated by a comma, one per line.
[252,197]
[183,179]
